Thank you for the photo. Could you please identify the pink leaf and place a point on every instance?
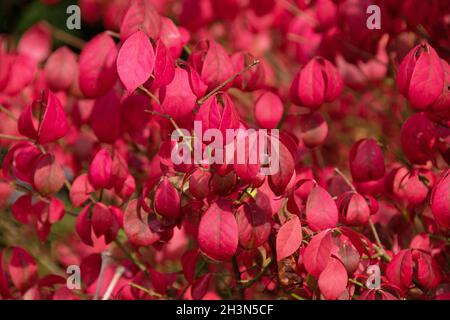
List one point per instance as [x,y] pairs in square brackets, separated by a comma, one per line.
[135,61]
[106,118]
[100,170]
[135,224]
[60,69]
[321,210]
[218,232]
[289,238]
[400,270]
[333,280]
[48,176]
[440,200]
[141,15]
[80,190]
[200,286]
[167,200]
[84,226]
[253,224]
[318,252]
[23,269]
[189,263]
[268,110]
[97,66]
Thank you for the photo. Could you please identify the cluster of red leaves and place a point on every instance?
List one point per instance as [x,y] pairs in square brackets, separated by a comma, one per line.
[87,166]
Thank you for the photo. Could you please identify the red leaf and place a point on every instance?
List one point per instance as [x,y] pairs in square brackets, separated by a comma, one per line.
[55,210]
[189,263]
[314,129]
[90,268]
[253,224]
[216,66]
[428,271]
[141,15]
[440,200]
[53,122]
[22,208]
[60,69]
[97,66]
[84,226]
[135,224]
[333,280]
[177,98]
[318,252]
[102,219]
[22,269]
[164,70]
[200,286]
[421,76]
[268,110]
[80,190]
[289,238]
[321,210]
[36,42]
[400,270]
[167,200]
[100,170]
[48,176]
[366,161]
[106,118]
[135,61]
[218,232]
[21,73]
[279,181]
[418,138]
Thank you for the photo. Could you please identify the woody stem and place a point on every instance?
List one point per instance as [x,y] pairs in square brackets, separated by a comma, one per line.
[226,82]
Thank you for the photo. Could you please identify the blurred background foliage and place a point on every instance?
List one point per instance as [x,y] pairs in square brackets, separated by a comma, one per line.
[16,16]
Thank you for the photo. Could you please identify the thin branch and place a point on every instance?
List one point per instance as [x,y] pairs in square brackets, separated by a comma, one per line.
[15,138]
[174,124]
[8,113]
[380,248]
[259,275]
[151,95]
[113,34]
[117,274]
[105,262]
[66,37]
[237,275]
[226,82]
[130,255]
[147,291]
[347,181]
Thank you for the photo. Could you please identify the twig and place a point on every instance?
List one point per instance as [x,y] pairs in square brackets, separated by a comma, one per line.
[147,291]
[356,282]
[130,255]
[66,37]
[226,82]
[377,239]
[105,262]
[259,275]
[347,181]
[16,138]
[113,34]
[174,124]
[151,95]
[8,113]
[119,271]
[237,275]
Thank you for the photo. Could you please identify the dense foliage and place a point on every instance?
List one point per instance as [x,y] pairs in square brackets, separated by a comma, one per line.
[88,178]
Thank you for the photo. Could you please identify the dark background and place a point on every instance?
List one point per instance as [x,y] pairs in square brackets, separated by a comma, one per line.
[16,16]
